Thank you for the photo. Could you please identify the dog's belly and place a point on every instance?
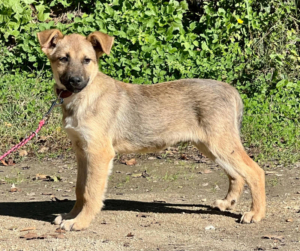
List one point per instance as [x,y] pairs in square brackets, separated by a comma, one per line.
[145,143]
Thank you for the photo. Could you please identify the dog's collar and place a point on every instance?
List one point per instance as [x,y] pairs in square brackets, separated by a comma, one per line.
[63,93]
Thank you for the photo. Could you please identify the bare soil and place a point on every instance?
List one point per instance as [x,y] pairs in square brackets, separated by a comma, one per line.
[154,205]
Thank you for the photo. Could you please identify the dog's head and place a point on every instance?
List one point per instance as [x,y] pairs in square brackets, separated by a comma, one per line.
[74,58]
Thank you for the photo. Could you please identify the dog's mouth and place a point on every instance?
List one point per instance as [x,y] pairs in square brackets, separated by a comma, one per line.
[62,93]
[75,89]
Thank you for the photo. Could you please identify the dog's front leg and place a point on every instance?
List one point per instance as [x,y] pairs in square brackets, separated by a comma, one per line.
[94,164]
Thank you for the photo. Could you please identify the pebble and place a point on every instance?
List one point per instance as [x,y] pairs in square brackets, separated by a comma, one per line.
[210,227]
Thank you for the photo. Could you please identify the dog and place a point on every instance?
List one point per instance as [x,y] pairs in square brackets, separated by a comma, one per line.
[103,116]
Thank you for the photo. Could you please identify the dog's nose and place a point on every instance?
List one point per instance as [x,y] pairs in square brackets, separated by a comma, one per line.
[75,81]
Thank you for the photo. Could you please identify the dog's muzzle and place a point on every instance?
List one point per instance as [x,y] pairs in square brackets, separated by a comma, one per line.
[74,84]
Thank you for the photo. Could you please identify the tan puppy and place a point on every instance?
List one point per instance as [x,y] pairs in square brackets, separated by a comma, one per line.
[103,116]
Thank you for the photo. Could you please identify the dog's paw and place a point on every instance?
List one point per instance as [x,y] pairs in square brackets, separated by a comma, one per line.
[73,225]
[252,217]
[58,220]
[223,205]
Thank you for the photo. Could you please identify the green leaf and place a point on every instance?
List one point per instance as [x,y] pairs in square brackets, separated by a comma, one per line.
[282,83]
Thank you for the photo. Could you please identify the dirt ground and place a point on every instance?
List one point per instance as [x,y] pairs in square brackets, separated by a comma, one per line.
[157,204]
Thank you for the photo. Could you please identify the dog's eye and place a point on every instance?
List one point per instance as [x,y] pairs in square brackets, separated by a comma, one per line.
[63,59]
[87,60]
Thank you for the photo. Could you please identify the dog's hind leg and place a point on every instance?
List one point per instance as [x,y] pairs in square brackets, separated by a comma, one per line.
[94,165]
[228,152]
[236,186]
[236,183]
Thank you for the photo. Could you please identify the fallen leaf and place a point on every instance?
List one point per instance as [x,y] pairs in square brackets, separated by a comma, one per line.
[46,193]
[205,184]
[10,162]
[40,176]
[54,178]
[43,236]
[29,236]
[43,149]
[151,158]
[136,175]
[3,162]
[130,235]
[145,174]
[14,189]
[58,236]
[60,231]
[23,153]
[184,157]
[47,177]
[130,162]
[273,237]
[27,229]
[206,171]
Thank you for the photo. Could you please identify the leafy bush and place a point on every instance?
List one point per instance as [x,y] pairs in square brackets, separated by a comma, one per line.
[271,123]
[251,44]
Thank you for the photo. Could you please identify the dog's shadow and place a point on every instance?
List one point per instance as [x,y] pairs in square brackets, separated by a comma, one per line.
[46,210]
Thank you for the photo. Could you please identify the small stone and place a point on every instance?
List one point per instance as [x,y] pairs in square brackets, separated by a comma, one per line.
[210,227]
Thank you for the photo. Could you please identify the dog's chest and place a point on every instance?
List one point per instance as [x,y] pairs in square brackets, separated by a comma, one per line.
[73,123]
[70,123]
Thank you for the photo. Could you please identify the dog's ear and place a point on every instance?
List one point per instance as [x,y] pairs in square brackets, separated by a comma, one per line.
[101,42]
[48,39]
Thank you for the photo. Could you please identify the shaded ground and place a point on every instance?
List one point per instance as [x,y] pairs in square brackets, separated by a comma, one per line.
[165,208]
